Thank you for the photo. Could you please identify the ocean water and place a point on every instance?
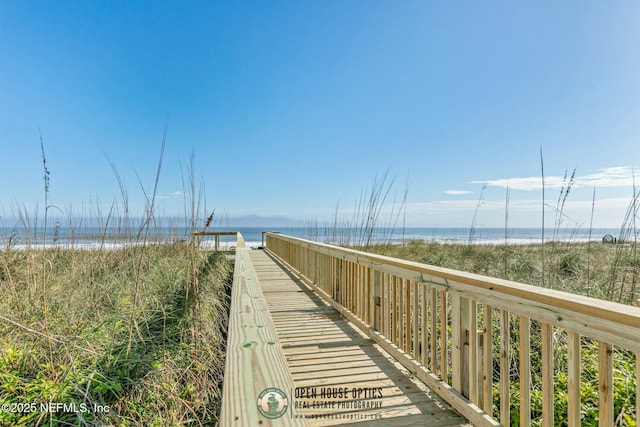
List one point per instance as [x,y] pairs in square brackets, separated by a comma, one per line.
[97,238]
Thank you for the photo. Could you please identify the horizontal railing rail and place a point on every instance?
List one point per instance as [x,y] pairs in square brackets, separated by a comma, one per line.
[196,237]
[255,363]
[443,325]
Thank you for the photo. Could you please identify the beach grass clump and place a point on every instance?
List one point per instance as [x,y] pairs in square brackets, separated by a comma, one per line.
[605,271]
[123,344]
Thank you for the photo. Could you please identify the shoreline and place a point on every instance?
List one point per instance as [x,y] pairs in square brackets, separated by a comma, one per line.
[230,245]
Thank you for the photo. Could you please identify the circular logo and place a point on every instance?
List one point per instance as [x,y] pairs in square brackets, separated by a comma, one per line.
[272,403]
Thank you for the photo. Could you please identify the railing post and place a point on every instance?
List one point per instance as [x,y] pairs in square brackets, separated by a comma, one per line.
[444,363]
[375,299]
[573,393]
[524,325]
[487,360]
[424,326]
[472,351]
[480,375]
[407,315]
[505,368]
[605,381]
[460,340]
[337,283]
[433,344]
[547,375]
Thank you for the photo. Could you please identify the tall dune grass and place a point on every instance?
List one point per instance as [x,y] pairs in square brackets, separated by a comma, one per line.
[171,365]
[127,336]
[379,213]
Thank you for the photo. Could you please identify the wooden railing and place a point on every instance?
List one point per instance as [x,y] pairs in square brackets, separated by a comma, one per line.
[443,325]
[254,362]
[197,236]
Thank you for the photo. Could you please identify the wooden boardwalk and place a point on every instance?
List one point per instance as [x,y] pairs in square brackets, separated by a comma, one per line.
[336,345]
[340,376]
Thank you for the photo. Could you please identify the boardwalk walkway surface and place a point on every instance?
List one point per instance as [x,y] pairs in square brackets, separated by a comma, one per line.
[340,376]
[315,349]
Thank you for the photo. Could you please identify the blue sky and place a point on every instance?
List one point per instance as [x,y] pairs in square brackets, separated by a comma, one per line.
[292,109]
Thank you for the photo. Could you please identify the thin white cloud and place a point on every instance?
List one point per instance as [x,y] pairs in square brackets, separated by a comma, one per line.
[620,176]
[607,212]
[619,204]
[175,195]
[457,192]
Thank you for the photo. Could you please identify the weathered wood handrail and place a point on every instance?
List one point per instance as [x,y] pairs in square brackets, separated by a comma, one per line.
[439,324]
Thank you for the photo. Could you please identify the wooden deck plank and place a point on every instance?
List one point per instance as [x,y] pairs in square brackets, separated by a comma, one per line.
[326,355]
